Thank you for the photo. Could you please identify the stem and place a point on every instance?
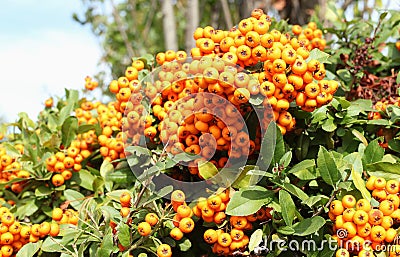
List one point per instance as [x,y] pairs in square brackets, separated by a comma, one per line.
[321,209]
[122,30]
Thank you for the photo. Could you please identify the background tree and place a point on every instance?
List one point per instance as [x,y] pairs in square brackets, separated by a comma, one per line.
[132,28]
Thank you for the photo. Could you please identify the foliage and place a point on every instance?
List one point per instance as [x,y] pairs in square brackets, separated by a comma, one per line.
[80,166]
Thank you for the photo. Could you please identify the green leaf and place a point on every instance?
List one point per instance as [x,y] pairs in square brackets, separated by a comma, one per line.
[344,75]
[247,201]
[394,144]
[304,170]
[28,208]
[75,198]
[294,190]
[85,128]
[29,250]
[318,55]
[11,150]
[308,226]
[329,125]
[185,245]
[360,184]
[120,176]
[288,207]
[256,100]
[327,167]
[387,167]
[207,169]
[286,159]
[106,246]
[383,16]
[27,122]
[106,168]
[373,153]
[303,165]
[68,130]
[286,230]
[360,136]
[43,191]
[255,239]
[379,122]
[246,178]
[124,234]
[310,202]
[51,244]
[84,179]
[272,145]
[65,112]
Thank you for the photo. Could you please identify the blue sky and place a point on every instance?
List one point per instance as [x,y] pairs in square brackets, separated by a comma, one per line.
[42,51]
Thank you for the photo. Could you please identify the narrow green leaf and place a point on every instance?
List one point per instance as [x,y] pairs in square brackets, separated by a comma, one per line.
[85,128]
[286,159]
[294,190]
[106,168]
[360,184]
[288,207]
[327,167]
[310,202]
[308,226]
[318,55]
[124,234]
[344,75]
[360,136]
[387,167]
[272,145]
[286,230]
[68,130]
[246,178]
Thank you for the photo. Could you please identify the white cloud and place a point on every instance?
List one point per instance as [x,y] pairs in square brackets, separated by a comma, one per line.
[40,64]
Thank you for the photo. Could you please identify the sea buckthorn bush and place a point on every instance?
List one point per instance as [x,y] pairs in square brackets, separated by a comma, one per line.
[264,140]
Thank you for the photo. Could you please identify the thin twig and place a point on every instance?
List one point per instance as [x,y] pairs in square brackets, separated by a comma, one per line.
[321,209]
[147,26]
[122,30]
[227,14]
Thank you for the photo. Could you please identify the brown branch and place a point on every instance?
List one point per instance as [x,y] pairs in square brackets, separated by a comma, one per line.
[321,209]
[122,30]
[227,14]
[346,4]
[147,26]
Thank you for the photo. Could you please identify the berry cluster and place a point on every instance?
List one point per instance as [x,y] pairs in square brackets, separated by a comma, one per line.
[90,84]
[10,168]
[14,235]
[225,237]
[361,228]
